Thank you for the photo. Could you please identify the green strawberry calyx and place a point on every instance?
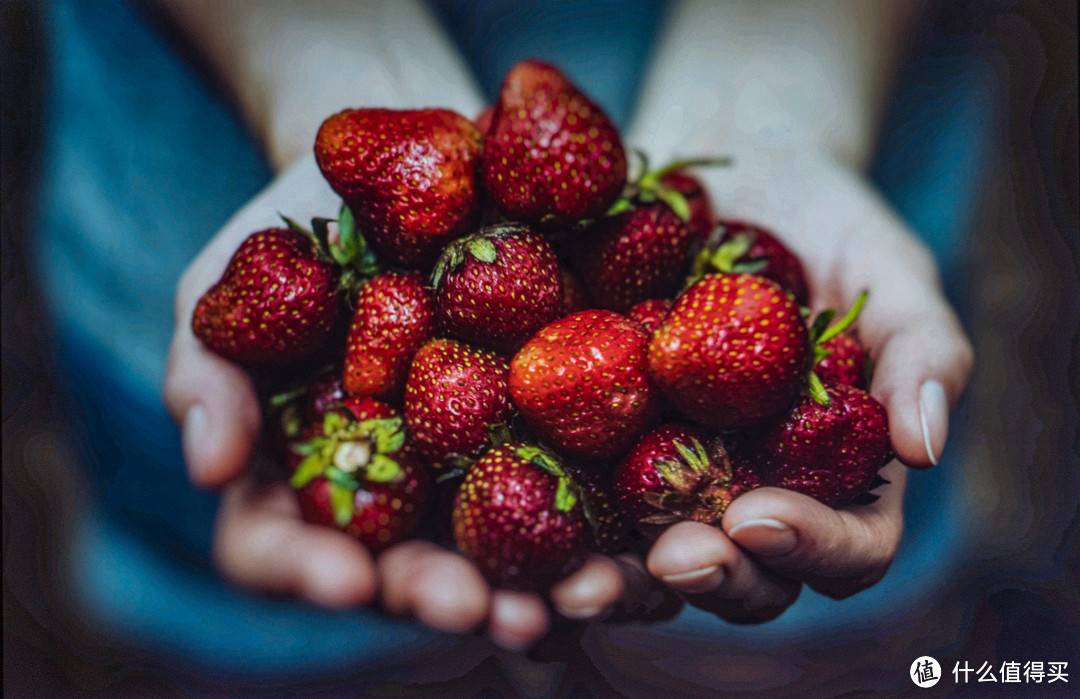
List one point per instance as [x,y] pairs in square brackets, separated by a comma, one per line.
[479,246]
[647,188]
[348,249]
[820,333]
[727,257]
[349,453]
[701,479]
[568,492]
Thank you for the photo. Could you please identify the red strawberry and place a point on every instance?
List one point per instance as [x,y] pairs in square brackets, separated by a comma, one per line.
[733,351]
[744,247]
[520,518]
[609,526]
[276,302]
[702,218]
[483,120]
[574,298]
[830,452]
[497,287]
[409,177]
[453,395]
[353,472]
[393,316]
[845,362]
[635,255]
[582,384]
[550,154]
[650,313]
[674,473]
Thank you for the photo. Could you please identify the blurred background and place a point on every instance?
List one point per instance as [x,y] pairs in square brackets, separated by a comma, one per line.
[1010,590]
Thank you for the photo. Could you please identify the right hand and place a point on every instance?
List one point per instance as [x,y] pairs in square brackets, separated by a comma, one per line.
[261,541]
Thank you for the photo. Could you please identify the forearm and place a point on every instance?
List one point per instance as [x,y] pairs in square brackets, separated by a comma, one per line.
[290,65]
[793,91]
[779,78]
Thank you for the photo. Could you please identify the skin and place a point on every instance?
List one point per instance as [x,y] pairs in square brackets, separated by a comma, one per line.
[772,541]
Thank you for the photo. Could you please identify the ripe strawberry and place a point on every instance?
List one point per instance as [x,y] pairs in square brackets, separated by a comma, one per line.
[496,288]
[551,153]
[702,218]
[574,298]
[409,177]
[521,518]
[744,247]
[276,302]
[582,384]
[609,525]
[454,394]
[353,472]
[635,255]
[671,475]
[650,313]
[846,362]
[393,316]
[732,352]
[483,119]
[830,452]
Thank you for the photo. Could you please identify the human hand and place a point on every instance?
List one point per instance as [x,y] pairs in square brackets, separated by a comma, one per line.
[774,540]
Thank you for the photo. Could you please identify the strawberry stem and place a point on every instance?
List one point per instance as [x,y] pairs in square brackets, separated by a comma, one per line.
[817,390]
[842,324]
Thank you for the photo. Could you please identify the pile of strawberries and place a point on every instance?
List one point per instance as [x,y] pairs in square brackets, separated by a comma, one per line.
[505,341]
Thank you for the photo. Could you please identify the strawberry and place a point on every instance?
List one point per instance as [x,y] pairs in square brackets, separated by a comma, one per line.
[276,302]
[351,471]
[745,247]
[409,177]
[574,298]
[702,218]
[483,119]
[551,154]
[454,394]
[845,362]
[393,316]
[497,287]
[521,518]
[581,382]
[609,526]
[650,313]
[732,352]
[635,255]
[675,473]
[830,451]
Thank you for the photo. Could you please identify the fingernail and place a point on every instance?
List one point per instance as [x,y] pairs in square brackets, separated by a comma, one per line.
[765,537]
[933,410]
[700,580]
[193,432]
[579,612]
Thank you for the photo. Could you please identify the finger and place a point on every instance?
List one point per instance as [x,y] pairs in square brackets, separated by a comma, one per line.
[836,552]
[261,543]
[922,356]
[921,368]
[215,405]
[702,562]
[517,619]
[591,590]
[440,588]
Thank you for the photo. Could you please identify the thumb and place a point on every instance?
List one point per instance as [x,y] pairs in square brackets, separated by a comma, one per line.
[215,405]
[922,364]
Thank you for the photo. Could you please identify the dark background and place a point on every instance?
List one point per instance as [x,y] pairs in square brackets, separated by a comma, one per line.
[1017,429]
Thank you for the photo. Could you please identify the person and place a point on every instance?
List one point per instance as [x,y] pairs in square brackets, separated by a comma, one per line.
[793,92]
